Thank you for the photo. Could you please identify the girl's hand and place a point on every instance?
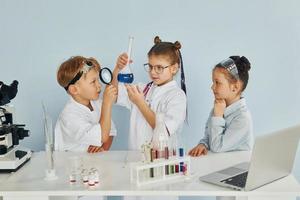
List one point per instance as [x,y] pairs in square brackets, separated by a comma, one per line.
[110,94]
[198,150]
[134,94]
[219,107]
[122,61]
[94,149]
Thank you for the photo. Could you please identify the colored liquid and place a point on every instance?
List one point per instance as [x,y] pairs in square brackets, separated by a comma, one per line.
[176,168]
[125,78]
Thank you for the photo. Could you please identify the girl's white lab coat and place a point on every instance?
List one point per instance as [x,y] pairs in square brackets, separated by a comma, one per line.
[78,127]
[168,99]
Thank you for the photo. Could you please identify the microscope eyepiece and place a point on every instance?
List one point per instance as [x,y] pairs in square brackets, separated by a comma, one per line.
[8,92]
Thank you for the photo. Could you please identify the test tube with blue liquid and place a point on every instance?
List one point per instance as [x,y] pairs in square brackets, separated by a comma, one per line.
[181,164]
[126,75]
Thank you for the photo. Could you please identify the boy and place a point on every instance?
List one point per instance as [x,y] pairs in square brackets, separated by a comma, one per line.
[85,122]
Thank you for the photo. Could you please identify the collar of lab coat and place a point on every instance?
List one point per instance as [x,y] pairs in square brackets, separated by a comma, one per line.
[73,101]
[167,85]
[160,90]
[235,106]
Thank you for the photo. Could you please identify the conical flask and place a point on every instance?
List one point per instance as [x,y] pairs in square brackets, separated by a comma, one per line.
[160,139]
[126,75]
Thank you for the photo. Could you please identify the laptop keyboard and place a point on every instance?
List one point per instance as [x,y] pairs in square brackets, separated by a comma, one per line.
[238,180]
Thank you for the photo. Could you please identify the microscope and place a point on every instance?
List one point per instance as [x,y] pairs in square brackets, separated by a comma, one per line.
[12,156]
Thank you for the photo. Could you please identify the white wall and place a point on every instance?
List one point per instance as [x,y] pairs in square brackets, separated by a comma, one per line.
[37,35]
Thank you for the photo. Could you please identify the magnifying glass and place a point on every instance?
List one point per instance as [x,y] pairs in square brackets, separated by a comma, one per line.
[106,76]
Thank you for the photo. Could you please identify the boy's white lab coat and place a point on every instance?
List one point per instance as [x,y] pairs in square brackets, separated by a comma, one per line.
[78,127]
[168,99]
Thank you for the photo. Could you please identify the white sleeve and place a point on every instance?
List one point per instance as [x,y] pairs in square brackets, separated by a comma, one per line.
[175,112]
[58,139]
[79,131]
[122,98]
[113,130]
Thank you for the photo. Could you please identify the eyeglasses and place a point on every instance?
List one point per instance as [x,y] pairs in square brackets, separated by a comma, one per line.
[157,68]
[88,65]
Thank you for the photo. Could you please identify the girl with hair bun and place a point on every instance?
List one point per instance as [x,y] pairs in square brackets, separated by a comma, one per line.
[161,95]
[229,125]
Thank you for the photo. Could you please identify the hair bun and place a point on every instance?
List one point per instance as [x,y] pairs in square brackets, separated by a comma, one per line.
[245,62]
[242,63]
[177,45]
[157,40]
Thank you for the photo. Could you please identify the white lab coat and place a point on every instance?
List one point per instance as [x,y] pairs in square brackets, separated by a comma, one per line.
[168,99]
[78,127]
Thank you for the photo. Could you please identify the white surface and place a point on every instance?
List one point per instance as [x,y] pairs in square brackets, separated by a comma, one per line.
[115,178]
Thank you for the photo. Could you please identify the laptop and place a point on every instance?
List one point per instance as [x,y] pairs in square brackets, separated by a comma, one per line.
[272,158]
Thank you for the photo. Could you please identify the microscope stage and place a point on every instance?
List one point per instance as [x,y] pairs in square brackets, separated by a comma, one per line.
[14,159]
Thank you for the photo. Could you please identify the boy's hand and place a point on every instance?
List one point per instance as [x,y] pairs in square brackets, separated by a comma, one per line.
[198,150]
[134,94]
[122,61]
[110,94]
[94,149]
[219,107]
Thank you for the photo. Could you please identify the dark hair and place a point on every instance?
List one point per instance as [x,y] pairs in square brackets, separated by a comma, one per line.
[172,52]
[243,66]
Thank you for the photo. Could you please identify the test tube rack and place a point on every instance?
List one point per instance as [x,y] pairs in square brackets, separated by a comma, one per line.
[159,170]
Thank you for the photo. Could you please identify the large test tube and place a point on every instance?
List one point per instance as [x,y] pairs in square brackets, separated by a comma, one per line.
[129,51]
[49,146]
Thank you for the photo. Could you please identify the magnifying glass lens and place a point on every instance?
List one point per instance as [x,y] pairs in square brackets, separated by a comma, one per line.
[105,75]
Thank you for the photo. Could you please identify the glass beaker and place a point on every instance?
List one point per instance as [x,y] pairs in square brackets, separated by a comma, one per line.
[75,169]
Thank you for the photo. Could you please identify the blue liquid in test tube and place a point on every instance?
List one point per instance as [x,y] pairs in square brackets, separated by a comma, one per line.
[181,154]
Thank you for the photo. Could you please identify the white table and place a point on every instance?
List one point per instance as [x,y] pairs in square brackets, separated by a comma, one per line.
[115,179]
